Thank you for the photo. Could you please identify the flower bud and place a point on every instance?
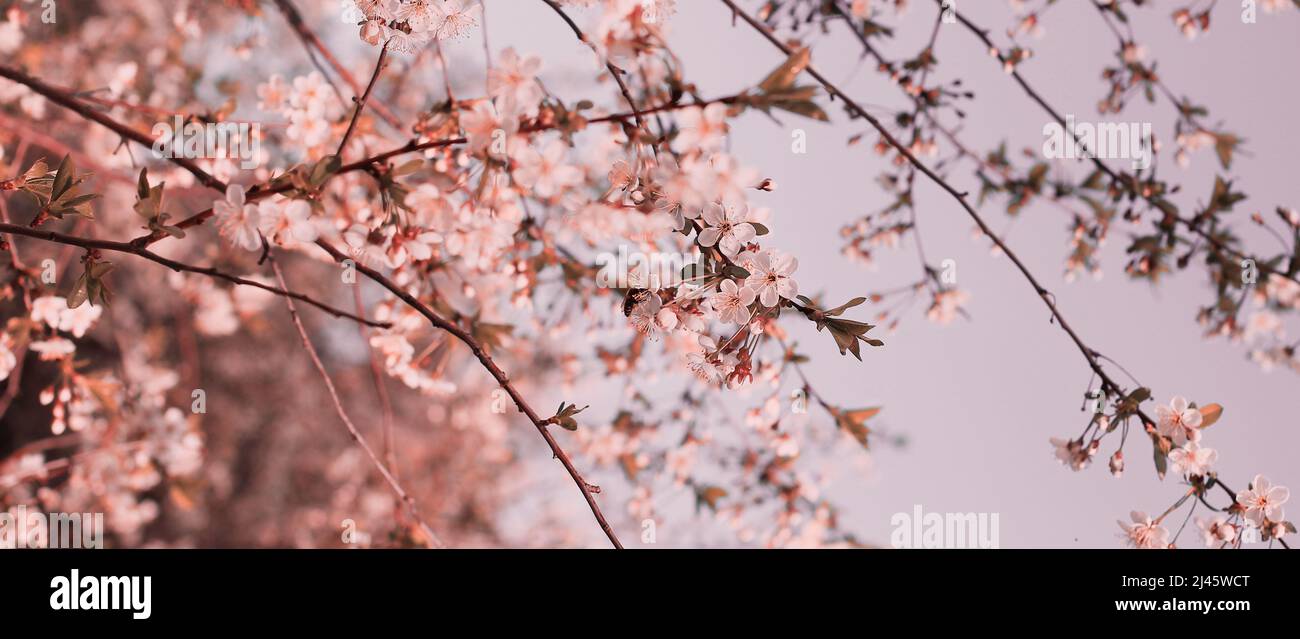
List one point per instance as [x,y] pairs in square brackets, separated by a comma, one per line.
[1117,463]
[372,31]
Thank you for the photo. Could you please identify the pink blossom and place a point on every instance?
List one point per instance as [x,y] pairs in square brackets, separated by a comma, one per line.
[1178,421]
[1192,460]
[238,220]
[1216,531]
[728,227]
[545,172]
[731,302]
[703,129]
[514,78]
[770,277]
[1144,533]
[1263,501]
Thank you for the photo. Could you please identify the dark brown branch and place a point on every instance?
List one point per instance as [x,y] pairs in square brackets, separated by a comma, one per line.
[131,249]
[67,101]
[499,375]
[855,109]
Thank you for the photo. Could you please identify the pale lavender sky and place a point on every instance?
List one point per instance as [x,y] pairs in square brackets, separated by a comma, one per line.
[978,400]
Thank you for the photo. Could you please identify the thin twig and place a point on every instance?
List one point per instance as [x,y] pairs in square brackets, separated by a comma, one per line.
[613,70]
[1191,224]
[311,41]
[361,102]
[401,493]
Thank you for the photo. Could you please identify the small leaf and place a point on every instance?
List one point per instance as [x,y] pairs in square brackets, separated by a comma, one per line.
[79,293]
[709,496]
[783,76]
[63,178]
[1210,413]
[142,189]
[1224,145]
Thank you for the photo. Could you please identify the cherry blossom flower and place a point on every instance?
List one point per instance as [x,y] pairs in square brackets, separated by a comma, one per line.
[650,318]
[48,309]
[1178,421]
[11,32]
[1263,324]
[946,306]
[704,128]
[78,320]
[368,246]
[414,244]
[292,219]
[729,227]
[54,311]
[55,348]
[1072,453]
[373,31]
[310,94]
[732,301]
[273,94]
[1192,460]
[307,129]
[707,364]
[1216,531]
[381,9]
[545,172]
[456,19]
[1144,533]
[421,15]
[770,277]
[214,312]
[1263,501]
[514,78]
[483,126]
[238,220]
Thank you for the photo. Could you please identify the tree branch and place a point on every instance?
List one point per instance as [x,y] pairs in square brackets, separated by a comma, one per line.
[499,375]
[131,249]
[406,498]
[311,41]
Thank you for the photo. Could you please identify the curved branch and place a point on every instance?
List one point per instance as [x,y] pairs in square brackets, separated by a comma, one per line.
[131,249]
[499,375]
[401,493]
